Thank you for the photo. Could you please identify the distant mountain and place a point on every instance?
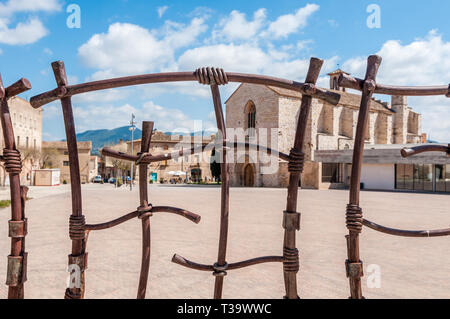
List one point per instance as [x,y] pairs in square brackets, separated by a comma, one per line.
[101,138]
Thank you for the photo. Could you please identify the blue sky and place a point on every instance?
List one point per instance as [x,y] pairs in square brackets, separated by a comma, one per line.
[119,37]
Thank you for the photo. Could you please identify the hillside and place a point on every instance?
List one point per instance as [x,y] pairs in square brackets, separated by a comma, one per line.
[101,138]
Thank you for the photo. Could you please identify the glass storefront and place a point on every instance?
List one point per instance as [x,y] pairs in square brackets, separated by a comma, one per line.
[423,177]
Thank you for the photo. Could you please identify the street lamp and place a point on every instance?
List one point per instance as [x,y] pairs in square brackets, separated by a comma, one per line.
[132,129]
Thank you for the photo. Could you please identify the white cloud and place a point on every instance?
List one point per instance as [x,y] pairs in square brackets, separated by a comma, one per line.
[14,6]
[290,23]
[1,51]
[236,26]
[166,119]
[48,51]
[130,49]
[425,61]
[162,10]
[24,33]
[249,59]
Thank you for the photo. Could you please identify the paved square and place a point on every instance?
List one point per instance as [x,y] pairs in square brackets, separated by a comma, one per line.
[410,268]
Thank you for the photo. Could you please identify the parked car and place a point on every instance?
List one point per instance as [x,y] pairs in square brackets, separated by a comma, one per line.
[97,179]
[112,180]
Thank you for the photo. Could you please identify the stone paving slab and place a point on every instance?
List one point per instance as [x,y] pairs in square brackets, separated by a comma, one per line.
[410,268]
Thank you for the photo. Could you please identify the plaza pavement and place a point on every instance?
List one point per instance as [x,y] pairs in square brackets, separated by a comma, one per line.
[410,268]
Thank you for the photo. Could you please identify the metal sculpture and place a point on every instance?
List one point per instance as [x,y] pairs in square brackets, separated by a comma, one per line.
[354,216]
[17,260]
[212,77]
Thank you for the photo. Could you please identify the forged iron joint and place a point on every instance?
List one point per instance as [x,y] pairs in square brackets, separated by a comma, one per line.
[370,85]
[220,271]
[77,227]
[145,211]
[61,92]
[309,89]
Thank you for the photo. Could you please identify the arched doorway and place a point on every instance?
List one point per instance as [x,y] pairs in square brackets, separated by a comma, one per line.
[249,176]
[196,175]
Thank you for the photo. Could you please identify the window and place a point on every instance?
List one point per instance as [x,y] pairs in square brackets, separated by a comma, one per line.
[34,144]
[331,173]
[419,177]
[18,141]
[66,163]
[250,110]
[27,142]
[66,152]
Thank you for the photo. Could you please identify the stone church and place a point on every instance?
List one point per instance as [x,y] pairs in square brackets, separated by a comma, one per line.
[254,107]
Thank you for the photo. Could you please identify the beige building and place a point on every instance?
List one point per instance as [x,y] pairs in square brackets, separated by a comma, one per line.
[195,168]
[59,158]
[27,124]
[255,107]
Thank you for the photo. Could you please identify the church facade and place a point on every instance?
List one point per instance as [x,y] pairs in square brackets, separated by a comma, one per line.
[271,111]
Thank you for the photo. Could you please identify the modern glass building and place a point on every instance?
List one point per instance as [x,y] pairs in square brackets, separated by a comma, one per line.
[385,169]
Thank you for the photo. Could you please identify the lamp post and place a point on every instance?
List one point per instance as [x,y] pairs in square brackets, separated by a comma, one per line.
[132,129]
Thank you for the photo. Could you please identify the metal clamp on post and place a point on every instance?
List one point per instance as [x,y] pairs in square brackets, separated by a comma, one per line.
[291,220]
[18,229]
[291,260]
[448,92]
[354,270]
[17,270]
[145,211]
[81,261]
[220,271]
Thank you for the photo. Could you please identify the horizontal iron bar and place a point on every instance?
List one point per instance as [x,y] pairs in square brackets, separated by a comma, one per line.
[158,209]
[406,233]
[350,82]
[411,151]
[177,211]
[112,223]
[165,157]
[50,96]
[177,259]
[16,88]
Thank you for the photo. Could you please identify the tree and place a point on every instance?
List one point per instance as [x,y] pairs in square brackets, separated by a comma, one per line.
[120,166]
[215,165]
[47,158]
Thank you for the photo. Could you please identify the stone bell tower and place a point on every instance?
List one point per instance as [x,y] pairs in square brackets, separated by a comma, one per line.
[334,80]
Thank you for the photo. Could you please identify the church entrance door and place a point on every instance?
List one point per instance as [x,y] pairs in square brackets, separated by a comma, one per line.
[249,176]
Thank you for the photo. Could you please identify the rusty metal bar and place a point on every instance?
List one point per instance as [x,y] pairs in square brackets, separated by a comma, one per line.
[242,264]
[296,168]
[50,96]
[225,193]
[149,158]
[147,130]
[354,212]
[411,151]
[78,242]
[358,84]
[406,233]
[16,276]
